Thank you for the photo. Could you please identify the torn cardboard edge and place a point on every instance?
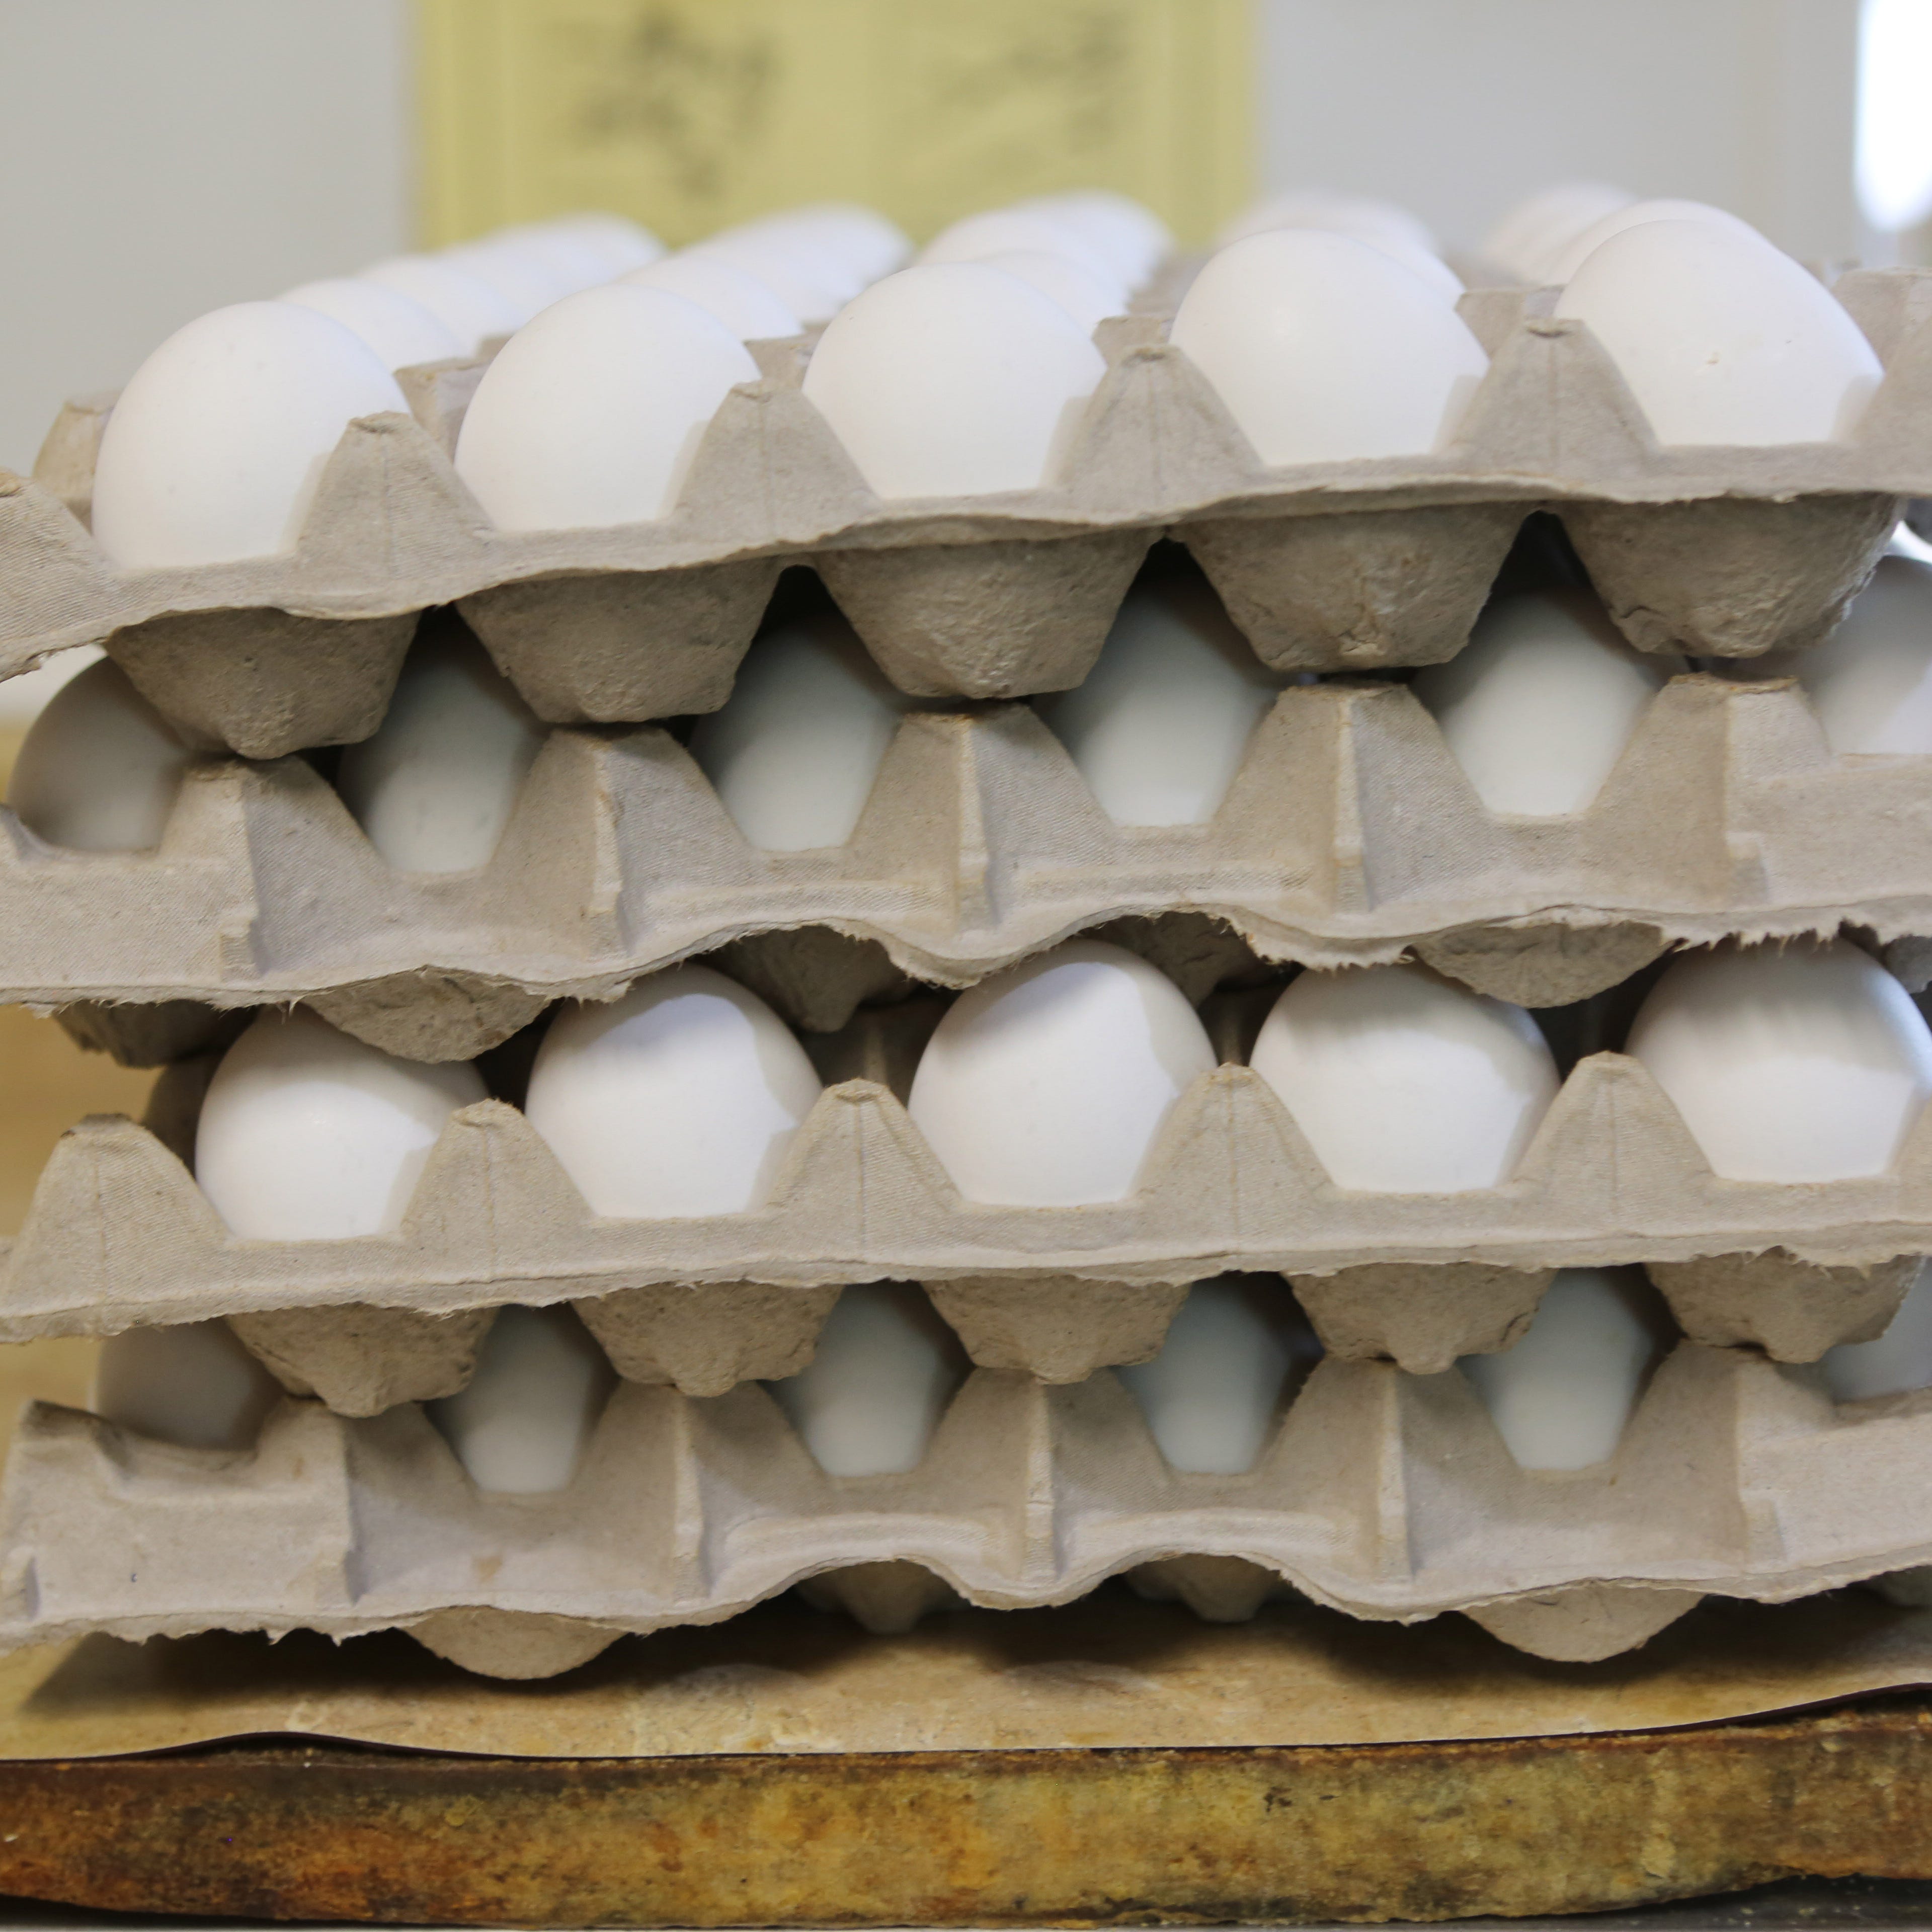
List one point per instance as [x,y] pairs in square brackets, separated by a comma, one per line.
[1381,1495]
[118,1235]
[1723,552]
[1349,835]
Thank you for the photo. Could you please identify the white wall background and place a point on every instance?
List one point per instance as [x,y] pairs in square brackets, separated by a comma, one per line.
[164,156]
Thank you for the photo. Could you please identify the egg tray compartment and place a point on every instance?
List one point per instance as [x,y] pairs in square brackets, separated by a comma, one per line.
[1349,836]
[119,1236]
[1718,551]
[1384,1495]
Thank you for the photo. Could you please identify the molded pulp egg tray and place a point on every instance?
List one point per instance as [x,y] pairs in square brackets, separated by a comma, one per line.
[1350,836]
[1715,550]
[1387,1495]
[119,1236]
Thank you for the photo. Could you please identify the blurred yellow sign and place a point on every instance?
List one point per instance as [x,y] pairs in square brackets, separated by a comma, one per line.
[688,114]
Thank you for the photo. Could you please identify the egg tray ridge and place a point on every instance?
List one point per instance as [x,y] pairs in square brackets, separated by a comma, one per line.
[1350,836]
[1384,1495]
[118,1235]
[1717,551]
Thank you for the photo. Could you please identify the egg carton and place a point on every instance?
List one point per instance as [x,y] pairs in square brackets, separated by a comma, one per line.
[1717,551]
[1385,1495]
[118,1235]
[1350,836]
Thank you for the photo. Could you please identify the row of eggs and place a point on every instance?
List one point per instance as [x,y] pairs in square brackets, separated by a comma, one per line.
[1537,710]
[965,375]
[886,1367]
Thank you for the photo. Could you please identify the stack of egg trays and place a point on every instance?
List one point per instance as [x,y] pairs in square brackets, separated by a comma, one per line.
[1727,814]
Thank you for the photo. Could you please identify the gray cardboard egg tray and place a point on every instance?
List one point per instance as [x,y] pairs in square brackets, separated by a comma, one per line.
[1349,835]
[1719,551]
[1386,1495]
[119,1236]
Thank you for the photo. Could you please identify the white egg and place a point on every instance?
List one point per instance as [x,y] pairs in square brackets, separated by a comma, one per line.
[1870,681]
[1001,231]
[744,305]
[571,262]
[1211,1395]
[1404,1083]
[793,753]
[1896,1362]
[1537,706]
[1525,240]
[591,414]
[680,1099]
[1806,1061]
[1046,1085]
[519,275]
[193,1384]
[953,380]
[1324,349]
[214,450]
[1721,338]
[1085,297]
[620,243]
[1359,215]
[868,244]
[1159,726]
[1581,243]
[396,327]
[1427,267]
[1135,239]
[812,281]
[307,1135]
[435,787]
[885,1369]
[472,311]
[1562,1396]
[99,768]
[521,1425]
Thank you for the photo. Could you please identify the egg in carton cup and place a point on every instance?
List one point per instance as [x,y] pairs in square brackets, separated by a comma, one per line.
[1717,551]
[120,1236]
[1384,1495]
[1350,836]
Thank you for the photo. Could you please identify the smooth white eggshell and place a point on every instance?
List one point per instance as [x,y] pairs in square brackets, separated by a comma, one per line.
[519,275]
[435,787]
[1561,1396]
[1800,1062]
[867,242]
[680,1099]
[193,1384]
[1321,209]
[1870,681]
[521,1425]
[999,231]
[1045,1085]
[878,1384]
[397,328]
[1894,1363]
[1135,239]
[621,244]
[793,753]
[810,279]
[1721,339]
[472,311]
[571,262]
[1085,296]
[99,768]
[953,379]
[590,415]
[1160,724]
[1537,706]
[308,1135]
[1325,350]
[1404,1083]
[214,450]
[1426,266]
[746,306]
[1211,1396]
[1562,263]
[1526,238]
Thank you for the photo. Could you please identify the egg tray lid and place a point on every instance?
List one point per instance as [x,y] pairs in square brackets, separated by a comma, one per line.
[1384,1495]
[119,1235]
[1722,551]
[1349,836]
